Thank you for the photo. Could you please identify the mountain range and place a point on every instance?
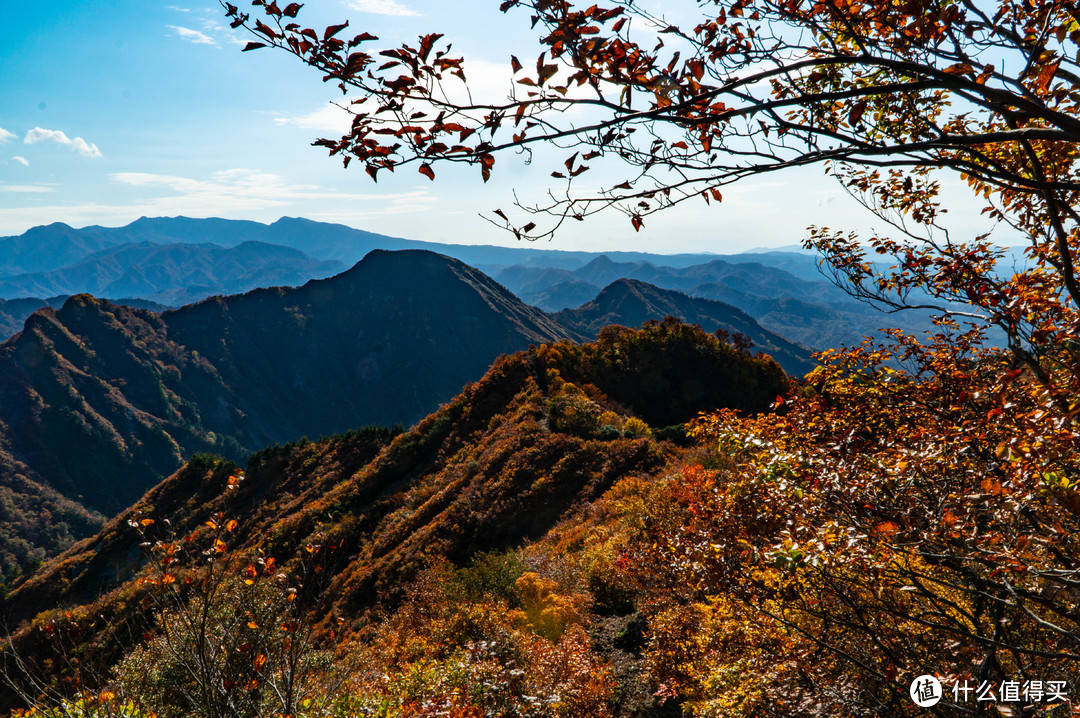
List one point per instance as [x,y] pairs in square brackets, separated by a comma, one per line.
[382,343]
[177,261]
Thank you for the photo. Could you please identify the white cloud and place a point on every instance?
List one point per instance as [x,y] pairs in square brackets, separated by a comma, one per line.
[247,189]
[236,193]
[177,9]
[78,144]
[28,188]
[6,136]
[194,36]
[329,118]
[382,7]
[21,160]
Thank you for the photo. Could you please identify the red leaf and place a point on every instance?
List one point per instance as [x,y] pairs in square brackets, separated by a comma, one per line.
[546,72]
[857,111]
[265,29]
[362,37]
[334,30]
[636,221]
[515,64]
[427,172]
[253,46]
[292,8]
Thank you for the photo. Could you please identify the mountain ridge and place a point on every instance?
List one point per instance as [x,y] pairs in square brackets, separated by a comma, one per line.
[147,389]
[631,302]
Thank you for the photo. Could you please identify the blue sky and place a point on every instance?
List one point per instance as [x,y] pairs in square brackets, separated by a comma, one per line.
[116,109]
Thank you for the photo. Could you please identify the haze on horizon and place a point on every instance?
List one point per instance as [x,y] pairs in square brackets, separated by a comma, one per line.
[152,110]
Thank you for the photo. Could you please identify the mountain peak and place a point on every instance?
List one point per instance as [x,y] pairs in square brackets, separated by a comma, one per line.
[602,261]
[630,302]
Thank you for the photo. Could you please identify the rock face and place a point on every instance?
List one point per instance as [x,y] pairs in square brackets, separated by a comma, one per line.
[101,401]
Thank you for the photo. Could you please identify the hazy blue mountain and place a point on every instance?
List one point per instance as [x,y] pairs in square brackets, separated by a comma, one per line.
[783,289]
[41,249]
[747,276]
[173,273]
[13,312]
[630,303]
[566,295]
[58,245]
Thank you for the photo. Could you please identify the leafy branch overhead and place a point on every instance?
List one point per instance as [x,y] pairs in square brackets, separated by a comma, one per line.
[754,86]
[881,94]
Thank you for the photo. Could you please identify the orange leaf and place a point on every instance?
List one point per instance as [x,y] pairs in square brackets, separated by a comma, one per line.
[1046,74]
[886,528]
[960,68]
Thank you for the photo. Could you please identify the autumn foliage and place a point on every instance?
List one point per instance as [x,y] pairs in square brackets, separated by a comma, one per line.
[913,508]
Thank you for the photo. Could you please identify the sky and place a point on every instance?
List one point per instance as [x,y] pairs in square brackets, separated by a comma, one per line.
[118,109]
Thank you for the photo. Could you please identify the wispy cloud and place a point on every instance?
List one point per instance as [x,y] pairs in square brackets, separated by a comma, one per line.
[382,7]
[6,136]
[246,188]
[177,9]
[28,188]
[328,118]
[21,160]
[194,36]
[78,144]
[235,193]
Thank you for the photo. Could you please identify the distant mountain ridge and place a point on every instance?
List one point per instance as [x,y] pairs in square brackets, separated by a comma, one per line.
[58,245]
[173,274]
[168,260]
[139,392]
[631,302]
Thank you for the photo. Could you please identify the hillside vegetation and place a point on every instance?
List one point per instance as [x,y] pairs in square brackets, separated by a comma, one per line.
[371,532]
